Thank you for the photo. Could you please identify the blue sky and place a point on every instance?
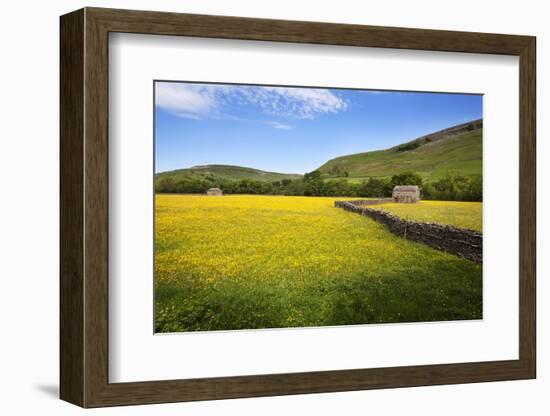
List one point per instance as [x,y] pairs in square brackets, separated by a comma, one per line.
[291,130]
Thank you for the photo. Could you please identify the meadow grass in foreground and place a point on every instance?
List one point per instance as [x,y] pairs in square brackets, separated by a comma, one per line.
[247,262]
[460,214]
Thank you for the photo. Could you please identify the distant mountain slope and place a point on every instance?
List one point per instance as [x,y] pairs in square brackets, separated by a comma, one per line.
[227,172]
[458,149]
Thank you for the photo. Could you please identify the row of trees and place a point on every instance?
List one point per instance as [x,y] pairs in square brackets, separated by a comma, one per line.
[454,188]
[451,188]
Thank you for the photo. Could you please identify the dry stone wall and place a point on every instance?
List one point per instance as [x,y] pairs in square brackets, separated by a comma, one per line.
[458,241]
[364,202]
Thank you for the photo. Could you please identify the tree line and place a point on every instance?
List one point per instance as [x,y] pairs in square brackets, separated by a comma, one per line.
[452,187]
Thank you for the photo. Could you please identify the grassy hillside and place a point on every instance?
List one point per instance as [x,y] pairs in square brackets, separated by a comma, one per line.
[457,149]
[227,172]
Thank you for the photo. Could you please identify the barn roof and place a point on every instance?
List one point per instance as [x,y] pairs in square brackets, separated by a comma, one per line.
[406,188]
[214,189]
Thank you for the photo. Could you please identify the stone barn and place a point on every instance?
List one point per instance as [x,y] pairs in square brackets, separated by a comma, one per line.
[214,192]
[406,194]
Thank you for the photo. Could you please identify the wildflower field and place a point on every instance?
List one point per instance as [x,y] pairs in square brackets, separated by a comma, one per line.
[460,214]
[251,261]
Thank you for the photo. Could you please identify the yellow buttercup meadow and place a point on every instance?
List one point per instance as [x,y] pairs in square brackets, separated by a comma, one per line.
[247,261]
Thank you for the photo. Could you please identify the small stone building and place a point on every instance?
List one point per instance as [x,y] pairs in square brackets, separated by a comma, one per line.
[214,192]
[406,194]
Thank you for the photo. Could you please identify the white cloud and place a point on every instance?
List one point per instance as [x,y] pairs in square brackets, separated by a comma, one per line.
[222,101]
[302,103]
[188,100]
[278,125]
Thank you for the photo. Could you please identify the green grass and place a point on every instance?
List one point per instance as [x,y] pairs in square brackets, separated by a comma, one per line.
[228,172]
[459,214]
[248,262]
[461,154]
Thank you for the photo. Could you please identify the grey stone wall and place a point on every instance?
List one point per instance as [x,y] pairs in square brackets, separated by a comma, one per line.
[461,242]
[363,202]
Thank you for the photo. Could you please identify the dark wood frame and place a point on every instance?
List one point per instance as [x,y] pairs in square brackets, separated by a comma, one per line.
[84,207]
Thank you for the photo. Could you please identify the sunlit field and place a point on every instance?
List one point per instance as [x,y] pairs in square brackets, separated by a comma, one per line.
[249,262]
[460,214]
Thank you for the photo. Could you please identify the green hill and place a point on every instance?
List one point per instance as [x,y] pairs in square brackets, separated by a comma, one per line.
[225,172]
[457,149]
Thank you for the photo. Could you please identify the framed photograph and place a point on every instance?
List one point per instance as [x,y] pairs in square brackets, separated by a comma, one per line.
[255,207]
